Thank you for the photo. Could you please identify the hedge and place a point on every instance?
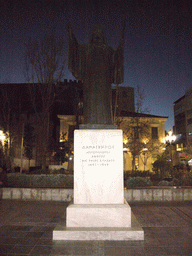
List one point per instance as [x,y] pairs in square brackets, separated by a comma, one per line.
[40,180]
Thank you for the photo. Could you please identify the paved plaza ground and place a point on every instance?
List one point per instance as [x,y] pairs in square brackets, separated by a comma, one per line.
[26,229]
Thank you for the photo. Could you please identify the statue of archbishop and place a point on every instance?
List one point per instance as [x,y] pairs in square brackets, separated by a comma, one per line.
[97,65]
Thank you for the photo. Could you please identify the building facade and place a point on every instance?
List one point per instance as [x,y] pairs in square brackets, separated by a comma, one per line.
[152,141]
[183,119]
[66,114]
[151,144]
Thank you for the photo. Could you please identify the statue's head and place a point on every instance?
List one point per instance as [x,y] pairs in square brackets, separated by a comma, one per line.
[98,34]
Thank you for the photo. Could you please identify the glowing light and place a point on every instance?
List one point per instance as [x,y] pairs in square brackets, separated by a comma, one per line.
[170,137]
[2,136]
[125,141]
[145,141]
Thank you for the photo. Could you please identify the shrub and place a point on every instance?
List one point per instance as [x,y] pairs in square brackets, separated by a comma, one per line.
[59,171]
[155,178]
[173,182]
[163,168]
[164,183]
[140,173]
[179,171]
[128,174]
[176,182]
[187,180]
[40,181]
[18,180]
[134,182]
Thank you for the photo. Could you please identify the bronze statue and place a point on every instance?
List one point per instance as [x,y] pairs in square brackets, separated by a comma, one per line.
[97,65]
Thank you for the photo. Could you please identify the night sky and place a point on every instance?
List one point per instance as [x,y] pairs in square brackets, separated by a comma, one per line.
[158,47]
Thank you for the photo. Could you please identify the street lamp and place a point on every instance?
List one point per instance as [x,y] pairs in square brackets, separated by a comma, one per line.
[170,138]
[145,156]
[125,150]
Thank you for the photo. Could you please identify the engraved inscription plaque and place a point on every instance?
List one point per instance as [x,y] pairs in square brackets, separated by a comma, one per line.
[98,167]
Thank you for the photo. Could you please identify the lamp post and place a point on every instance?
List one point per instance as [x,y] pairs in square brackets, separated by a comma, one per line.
[124,158]
[145,157]
[125,150]
[170,138]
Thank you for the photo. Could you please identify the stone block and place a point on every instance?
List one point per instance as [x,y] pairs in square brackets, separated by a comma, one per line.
[35,194]
[99,215]
[137,195]
[157,195]
[177,194]
[46,194]
[98,167]
[167,194]
[128,195]
[187,194]
[26,193]
[6,193]
[67,195]
[135,232]
[16,193]
[147,194]
[56,195]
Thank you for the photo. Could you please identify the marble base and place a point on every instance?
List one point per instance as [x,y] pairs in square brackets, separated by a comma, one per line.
[98,167]
[114,215]
[135,232]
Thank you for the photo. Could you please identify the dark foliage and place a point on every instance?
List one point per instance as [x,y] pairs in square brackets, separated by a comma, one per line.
[134,182]
[163,168]
[40,181]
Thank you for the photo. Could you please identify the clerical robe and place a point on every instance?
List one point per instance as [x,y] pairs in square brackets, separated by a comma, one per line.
[97,66]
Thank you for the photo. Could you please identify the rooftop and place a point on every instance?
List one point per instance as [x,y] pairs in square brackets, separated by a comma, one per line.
[135,114]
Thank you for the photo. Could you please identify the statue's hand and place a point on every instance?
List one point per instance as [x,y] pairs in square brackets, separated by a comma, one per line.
[69,27]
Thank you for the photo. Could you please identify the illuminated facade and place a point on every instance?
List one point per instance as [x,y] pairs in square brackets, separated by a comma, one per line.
[150,142]
[147,154]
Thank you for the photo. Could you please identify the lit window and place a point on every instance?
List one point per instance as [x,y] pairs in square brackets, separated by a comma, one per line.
[179,147]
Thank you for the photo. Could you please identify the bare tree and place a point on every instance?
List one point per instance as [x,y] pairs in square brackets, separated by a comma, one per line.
[152,146]
[136,128]
[137,133]
[44,67]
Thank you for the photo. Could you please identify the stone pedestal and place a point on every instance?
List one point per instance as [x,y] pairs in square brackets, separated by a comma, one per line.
[135,232]
[98,167]
[98,215]
[99,211]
